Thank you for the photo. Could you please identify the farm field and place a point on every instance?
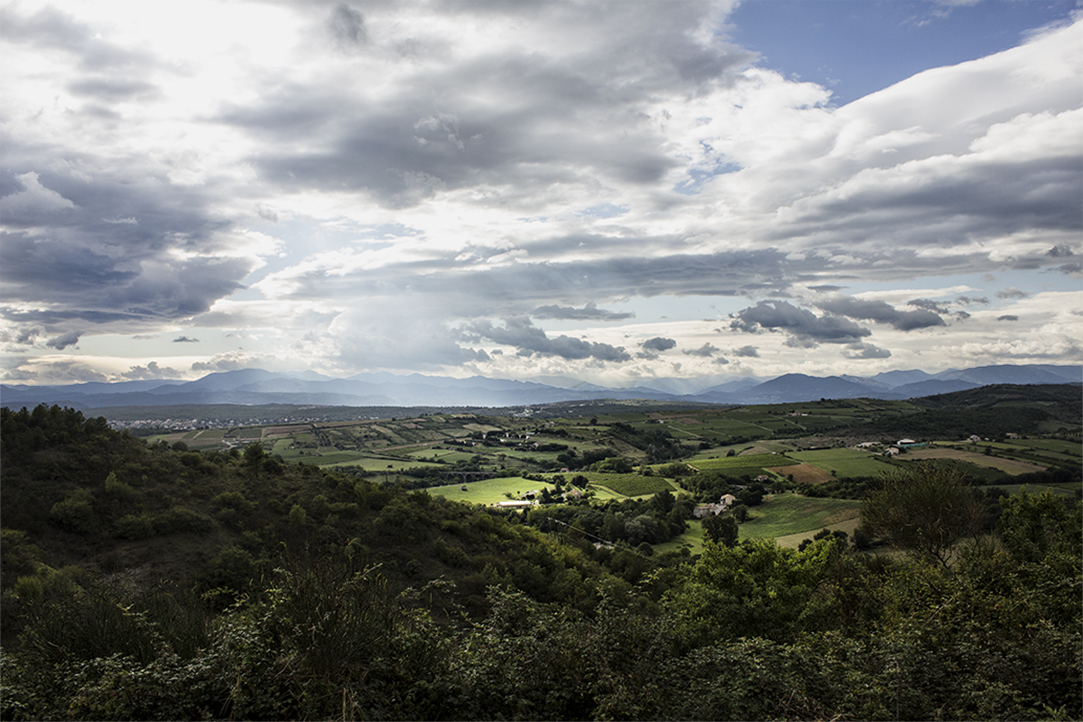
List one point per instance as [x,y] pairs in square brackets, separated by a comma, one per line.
[488,491]
[630,484]
[803,473]
[843,462]
[1008,466]
[794,540]
[782,515]
[729,463]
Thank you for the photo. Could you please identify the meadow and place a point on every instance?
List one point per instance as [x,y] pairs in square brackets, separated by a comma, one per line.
[489,491]
[741,464]
[783,515]
[843,463]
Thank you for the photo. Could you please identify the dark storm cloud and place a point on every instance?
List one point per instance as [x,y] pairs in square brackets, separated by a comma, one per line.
[987,199]
[805,328]
[590,312]
[529,340]
[118,245]
[746,352]
[185,339]
[967,300]
[64,340]
[1008,317]
[1061,251]
[658,344]
[652,347]
[881,312]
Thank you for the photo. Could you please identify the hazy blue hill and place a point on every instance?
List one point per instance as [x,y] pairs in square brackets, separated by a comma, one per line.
[985,375]
[799,387]
[259,387]
[933,386]
[221,381]
[892,379]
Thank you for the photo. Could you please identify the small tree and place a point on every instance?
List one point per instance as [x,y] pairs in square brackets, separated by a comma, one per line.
[721,530]
[925,512]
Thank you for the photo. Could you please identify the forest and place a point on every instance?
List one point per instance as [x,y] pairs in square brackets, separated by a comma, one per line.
[143,579]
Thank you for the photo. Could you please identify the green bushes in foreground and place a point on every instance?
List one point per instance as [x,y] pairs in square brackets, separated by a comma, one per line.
[755,631]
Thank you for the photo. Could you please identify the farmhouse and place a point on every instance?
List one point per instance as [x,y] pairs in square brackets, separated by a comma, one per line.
[910,444]
[723,504]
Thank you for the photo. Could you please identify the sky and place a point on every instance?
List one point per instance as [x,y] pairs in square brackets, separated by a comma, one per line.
[610,192]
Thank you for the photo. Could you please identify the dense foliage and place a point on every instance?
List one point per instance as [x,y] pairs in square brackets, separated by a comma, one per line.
[297,594]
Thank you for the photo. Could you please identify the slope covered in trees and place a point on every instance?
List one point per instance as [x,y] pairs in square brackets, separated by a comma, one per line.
[143,582]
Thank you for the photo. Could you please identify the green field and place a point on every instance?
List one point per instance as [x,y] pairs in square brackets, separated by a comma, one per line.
[843,462]
[784,514]
[787,517]
[489,491]
[734,463]
[630,484]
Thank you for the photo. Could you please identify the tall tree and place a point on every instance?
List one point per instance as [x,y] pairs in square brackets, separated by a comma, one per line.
[925,511]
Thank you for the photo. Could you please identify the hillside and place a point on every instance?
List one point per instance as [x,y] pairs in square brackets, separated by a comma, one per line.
[147,580]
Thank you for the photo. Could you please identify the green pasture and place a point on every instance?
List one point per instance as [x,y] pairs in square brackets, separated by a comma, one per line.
[630,484]
[489,491]
[784,514]
[843,462]
[368,463]
[1065,490]
[1059,446]
[691,539]
[733,463]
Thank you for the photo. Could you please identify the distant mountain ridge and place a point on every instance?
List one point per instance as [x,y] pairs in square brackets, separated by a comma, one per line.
[257,387]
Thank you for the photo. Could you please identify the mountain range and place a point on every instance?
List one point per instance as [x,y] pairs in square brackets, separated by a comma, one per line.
[257,386]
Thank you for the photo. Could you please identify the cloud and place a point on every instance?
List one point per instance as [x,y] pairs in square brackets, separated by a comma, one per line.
[34,199]
[803,326]
[150,372]
[880,312]
[746,352]
[529,340]
[929,305]
[347,27]
[1012,293]
[64,340]
[185,339]
[590,312]
[706,350]
[1008,317]
[865,351]
[544,160]
[658,344]
[53,372]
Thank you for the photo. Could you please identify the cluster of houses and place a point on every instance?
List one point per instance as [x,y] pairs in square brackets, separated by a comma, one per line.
[724,504]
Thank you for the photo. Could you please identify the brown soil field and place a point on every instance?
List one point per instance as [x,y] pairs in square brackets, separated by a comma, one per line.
[803,473]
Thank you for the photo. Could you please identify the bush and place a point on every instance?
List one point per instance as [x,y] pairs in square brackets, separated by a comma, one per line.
[133,526]
[75,513]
